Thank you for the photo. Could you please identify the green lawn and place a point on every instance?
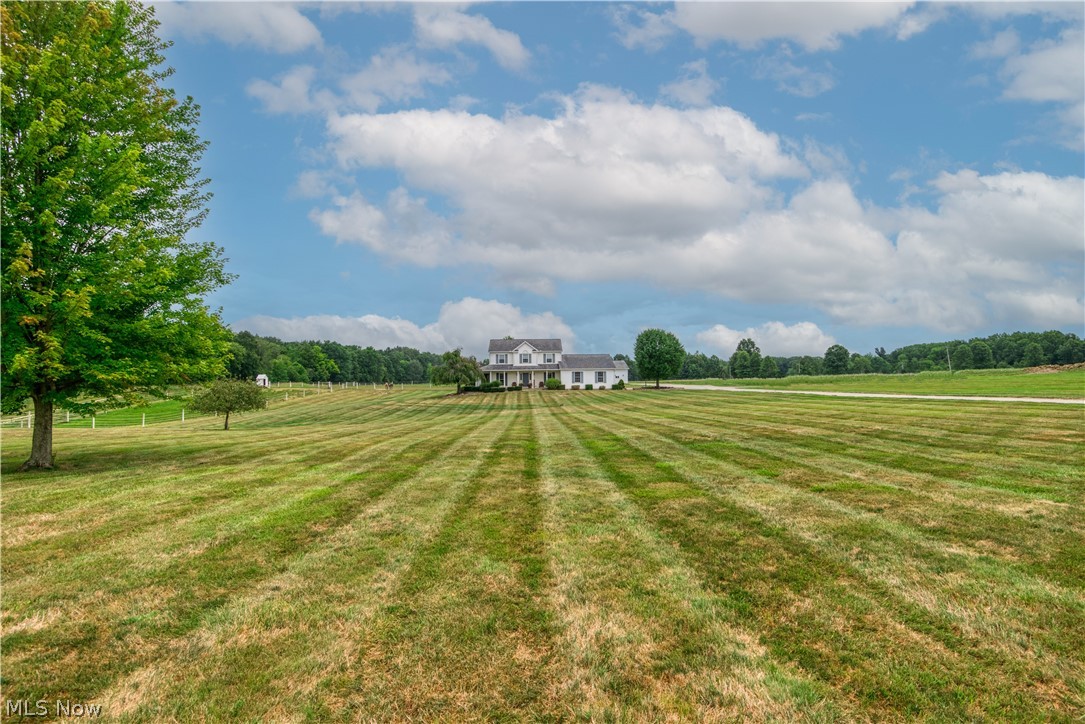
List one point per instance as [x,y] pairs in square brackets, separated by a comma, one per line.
[636,555]
[984,383]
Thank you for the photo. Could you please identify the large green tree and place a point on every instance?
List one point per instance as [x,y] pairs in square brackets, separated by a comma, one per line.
[659,354]
[455,369]
[740,365]
[102,290]
[836,360]
[753,367]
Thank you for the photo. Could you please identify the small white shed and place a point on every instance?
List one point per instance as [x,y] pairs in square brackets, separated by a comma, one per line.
[263,381]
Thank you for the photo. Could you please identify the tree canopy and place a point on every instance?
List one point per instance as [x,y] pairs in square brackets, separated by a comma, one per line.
[226,396]
[455,369]
[102,290]
[746,360]
[659,354]
[836,360]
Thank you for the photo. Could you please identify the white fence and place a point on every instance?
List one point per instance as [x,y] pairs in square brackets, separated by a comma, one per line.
[134,417]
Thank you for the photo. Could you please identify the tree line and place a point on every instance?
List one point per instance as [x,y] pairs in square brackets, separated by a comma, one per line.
[326,361]
[998,351]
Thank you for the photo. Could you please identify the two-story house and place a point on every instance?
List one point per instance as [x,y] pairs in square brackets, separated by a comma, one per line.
[530,362]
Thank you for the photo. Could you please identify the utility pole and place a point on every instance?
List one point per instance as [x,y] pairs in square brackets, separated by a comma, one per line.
[948,360]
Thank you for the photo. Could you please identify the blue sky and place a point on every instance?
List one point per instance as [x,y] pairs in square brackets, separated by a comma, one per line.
[872,174]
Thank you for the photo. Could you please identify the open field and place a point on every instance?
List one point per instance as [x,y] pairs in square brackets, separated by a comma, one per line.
[985,383]
[556,555]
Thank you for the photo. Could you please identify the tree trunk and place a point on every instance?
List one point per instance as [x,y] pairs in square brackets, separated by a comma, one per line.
[227,425]
[41,449]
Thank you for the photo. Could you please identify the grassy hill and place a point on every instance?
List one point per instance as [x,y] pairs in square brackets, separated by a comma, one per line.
[599,555]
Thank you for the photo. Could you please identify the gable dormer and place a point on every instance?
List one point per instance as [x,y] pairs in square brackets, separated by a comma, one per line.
[524,352]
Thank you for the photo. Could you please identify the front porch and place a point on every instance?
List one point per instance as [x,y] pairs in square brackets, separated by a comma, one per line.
[527,378]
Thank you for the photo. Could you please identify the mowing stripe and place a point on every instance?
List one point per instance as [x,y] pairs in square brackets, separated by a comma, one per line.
[891,656]
[236,558]
[642,636]
[315,606]
[1017,616]
[1053,552]
[464,635]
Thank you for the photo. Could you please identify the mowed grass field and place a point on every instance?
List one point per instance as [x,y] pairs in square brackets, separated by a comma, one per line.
[1068,382]
[604,555]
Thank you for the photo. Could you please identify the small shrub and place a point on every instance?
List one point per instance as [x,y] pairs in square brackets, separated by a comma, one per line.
[576,387]
[470,388]
[587,386]
[619,385]
[497,388]
[602,387]
[554,384]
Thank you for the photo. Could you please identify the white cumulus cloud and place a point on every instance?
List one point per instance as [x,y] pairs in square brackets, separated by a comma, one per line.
[291,92]
[607,173]
[798,80]
[612,189]
[276,27]
[638,28]
[815,26]
[467,324]
[443,26]
[694,87]
[772,338]
[394,74]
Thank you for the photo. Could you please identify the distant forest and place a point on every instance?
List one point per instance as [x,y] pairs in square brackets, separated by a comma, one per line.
[334,362]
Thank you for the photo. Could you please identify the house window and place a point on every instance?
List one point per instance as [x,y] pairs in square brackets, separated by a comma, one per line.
[600,377]
[578,377]
[525,359]
[502,359]
[548,359]
[501,377]
[551,375]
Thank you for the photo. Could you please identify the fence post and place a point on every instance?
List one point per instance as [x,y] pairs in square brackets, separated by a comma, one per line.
[67,416]
[182,416]
[92,422]
[144,422]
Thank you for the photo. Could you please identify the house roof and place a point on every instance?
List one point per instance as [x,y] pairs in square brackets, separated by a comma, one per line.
[509,345]
[588,362]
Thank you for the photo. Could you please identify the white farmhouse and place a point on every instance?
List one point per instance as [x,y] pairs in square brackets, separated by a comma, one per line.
[530,362]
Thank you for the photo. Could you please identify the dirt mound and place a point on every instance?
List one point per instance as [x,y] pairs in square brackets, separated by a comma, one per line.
[1047,369]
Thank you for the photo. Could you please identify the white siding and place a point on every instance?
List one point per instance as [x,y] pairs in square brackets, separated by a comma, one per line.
[588,378]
